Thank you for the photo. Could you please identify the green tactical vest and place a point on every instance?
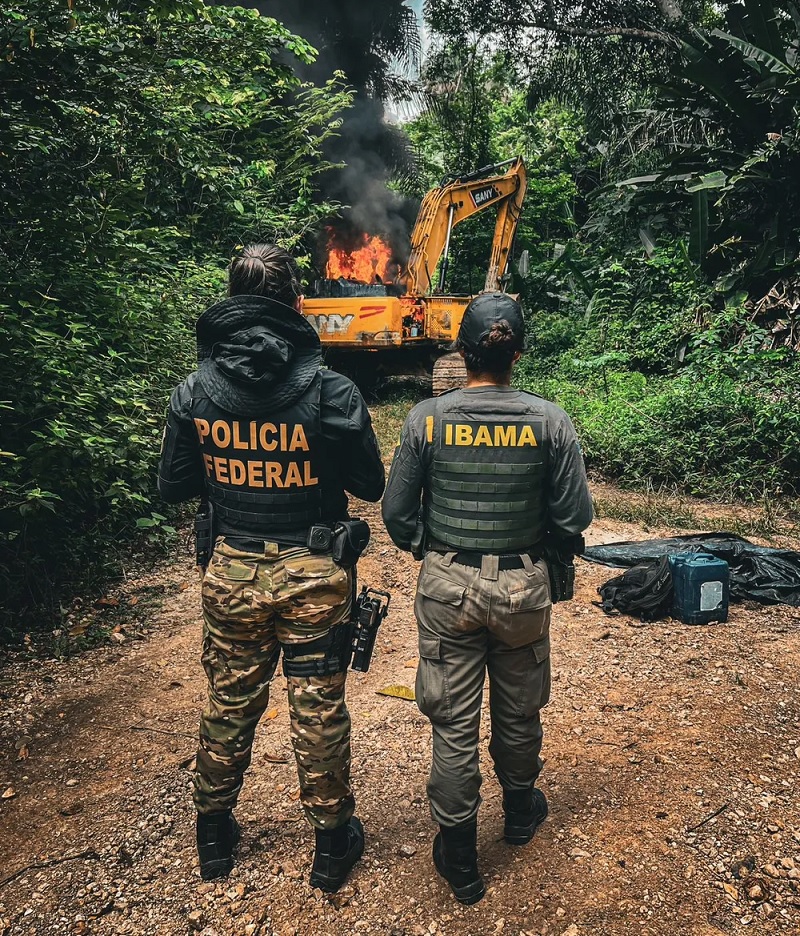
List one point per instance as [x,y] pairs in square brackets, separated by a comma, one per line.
[486,487]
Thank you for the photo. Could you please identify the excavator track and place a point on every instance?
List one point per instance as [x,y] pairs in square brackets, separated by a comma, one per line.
[448,373]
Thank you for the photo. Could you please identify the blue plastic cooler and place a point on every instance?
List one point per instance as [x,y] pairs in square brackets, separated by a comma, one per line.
[702,588]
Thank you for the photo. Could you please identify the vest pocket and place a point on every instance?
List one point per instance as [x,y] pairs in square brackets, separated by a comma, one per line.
[432,687]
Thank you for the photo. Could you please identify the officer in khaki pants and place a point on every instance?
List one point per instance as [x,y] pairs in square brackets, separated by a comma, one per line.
[498,479]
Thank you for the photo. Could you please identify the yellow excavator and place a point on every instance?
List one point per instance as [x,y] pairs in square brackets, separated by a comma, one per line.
[404,326]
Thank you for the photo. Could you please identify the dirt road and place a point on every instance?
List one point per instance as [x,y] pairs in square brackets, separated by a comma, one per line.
[671,770]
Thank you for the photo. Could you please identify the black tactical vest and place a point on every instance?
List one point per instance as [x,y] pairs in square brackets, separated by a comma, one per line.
[486,489]
[263,474]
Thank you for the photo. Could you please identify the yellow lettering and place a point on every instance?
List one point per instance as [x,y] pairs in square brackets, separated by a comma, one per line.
[526,437]
[308,479]
[237,442]
[482,436]
[505,435]
[221,470]
[253,437]
[293,478]
[255,474]
[284,434]
[463,434]
[273,478]
[203,428]
[238,471]
[299,440]
[448,434]
[221,433]
[264,434]
[209,462]
[429,428]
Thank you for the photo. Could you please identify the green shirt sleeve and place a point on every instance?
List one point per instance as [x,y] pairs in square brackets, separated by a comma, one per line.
[403,497]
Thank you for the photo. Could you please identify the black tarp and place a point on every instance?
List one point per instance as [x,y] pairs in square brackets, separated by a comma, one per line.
[758,573]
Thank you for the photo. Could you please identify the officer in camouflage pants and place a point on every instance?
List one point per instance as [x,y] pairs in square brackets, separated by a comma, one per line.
[251,608]
[273,442]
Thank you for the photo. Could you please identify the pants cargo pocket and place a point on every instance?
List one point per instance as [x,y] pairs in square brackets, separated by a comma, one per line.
[432,686]
[535,681]
[227,588]
[528,619]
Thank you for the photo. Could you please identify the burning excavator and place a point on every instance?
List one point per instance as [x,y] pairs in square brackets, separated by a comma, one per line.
[375,316]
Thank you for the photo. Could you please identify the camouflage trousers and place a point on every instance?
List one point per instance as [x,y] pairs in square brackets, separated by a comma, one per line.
[253,603]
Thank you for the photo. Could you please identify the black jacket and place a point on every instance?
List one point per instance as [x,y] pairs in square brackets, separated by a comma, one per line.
[351,453]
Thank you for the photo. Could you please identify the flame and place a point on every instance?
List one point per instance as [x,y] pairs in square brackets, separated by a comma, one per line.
[364,263]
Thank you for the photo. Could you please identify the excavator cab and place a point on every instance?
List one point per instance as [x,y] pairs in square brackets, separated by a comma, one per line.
[404,326]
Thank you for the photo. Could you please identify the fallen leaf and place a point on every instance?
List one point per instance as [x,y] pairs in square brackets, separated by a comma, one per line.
[79,629]
[23,753]
[411,663]
[398,692]
[183,586]
[272,713]
[107,602]
[731,891]
[8,793]
[133,601]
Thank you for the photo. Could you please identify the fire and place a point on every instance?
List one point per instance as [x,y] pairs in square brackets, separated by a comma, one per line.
[364,264]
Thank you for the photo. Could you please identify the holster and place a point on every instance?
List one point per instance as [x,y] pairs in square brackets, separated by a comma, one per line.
[559,554]
[204,533]
[418,541]
[350,539]
[336,645]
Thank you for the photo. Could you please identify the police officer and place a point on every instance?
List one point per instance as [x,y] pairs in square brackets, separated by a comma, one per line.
[497,477]
[273,441]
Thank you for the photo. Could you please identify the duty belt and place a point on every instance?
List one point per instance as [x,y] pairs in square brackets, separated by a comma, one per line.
[504,563]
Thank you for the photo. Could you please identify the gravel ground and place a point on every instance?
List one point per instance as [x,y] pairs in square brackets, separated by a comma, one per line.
[671,770]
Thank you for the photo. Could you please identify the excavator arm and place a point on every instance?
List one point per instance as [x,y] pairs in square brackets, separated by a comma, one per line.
[455,201]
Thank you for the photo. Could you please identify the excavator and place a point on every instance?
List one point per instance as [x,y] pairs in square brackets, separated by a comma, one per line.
[404,325]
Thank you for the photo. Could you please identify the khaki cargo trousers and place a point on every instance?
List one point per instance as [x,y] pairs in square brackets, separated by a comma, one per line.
[472,620]
[253,603]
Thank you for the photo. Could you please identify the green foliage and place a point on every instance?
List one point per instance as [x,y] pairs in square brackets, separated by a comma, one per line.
[741,176]
[669,383]
[707,433]
[138,146]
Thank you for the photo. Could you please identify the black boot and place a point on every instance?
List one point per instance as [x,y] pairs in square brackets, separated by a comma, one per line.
[525,811]
[217,839]
[455,854]
[336,852]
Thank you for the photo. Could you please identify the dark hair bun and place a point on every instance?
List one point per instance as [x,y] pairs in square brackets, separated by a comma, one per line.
[501,336]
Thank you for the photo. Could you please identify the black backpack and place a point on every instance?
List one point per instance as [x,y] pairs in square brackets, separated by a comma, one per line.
[644,591]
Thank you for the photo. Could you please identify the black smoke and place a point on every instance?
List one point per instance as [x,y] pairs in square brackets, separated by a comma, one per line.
[376,44]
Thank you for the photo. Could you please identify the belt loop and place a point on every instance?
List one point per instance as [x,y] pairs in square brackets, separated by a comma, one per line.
[490,567]
[447,559]
[271,550]
[527,563]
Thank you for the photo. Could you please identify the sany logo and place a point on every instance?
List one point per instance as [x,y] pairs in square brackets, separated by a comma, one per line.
[331,324]
[483,195]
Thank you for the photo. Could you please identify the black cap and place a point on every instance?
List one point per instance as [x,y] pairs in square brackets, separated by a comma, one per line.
[482,312]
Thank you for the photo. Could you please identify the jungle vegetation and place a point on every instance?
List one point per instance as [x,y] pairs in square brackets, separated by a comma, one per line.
[141,142]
